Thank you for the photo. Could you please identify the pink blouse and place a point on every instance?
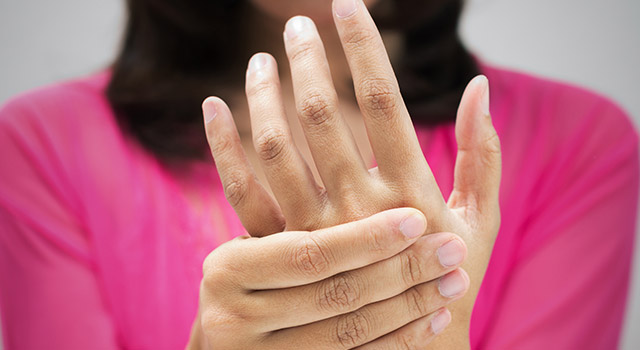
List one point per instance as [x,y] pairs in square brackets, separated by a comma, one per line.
[101,247]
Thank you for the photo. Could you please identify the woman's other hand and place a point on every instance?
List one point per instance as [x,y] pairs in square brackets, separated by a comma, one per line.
[351,191]
[374,283]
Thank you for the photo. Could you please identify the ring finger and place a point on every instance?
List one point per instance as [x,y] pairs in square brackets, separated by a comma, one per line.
[288,174]
[391,132]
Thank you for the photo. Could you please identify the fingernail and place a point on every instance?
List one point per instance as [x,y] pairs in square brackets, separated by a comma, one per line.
[413,225]
[257,63]
[345,8]
[485,96]
[209,110]
[297,26]
[451,253]
[440,321]
[453,284]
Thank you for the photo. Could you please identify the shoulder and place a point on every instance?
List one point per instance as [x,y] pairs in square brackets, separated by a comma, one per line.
[563,146]
[58,116]
[57,103]
[62,119]
[43,136]
[47,127]
[560,107]
[57,137]
[554,120]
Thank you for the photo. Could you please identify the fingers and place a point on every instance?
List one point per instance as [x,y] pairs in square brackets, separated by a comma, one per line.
[290,178]
[391,133]
[375,320]
[334,150]
[478,164]
[416,335]
[258,212]
[432,256]
[300,258]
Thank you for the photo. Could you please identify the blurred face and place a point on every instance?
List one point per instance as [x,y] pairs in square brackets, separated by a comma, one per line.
[318,10]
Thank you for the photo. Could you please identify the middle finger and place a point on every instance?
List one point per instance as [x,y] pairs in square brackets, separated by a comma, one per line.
[330,140]
[391,133]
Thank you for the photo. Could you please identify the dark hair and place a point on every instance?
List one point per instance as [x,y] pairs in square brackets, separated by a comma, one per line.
[175,53]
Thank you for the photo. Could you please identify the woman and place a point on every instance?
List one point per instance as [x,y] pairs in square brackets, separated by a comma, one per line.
[108,208]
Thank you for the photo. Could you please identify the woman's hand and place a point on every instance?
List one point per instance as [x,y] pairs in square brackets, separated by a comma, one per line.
[377,279]
[402,178]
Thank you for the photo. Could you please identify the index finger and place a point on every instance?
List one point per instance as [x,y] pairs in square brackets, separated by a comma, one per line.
[297,258]
[378,93]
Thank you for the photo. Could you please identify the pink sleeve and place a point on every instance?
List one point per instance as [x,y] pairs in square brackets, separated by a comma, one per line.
[50,296]
[567,288]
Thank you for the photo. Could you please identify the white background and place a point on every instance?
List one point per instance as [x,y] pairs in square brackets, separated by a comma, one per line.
[594,43]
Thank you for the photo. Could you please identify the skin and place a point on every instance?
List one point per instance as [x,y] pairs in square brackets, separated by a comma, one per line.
[372,283]
[349,192]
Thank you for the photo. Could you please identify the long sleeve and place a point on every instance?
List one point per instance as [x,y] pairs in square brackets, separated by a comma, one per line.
[567,287]
[50,297]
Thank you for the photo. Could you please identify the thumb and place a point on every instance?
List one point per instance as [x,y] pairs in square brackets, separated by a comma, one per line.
[479,162]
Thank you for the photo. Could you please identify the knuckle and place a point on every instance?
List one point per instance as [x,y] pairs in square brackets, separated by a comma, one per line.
[209,269]
[309,222]
[310,258]
[379,97]
[301,50]
[352,329]
[271,143]
[492,144]
[216,319]
[317,108]
[216,264]
[339,294]
[490,152]
[211,319]
[358,37]
[408,341]
[214,281]
[236,189]
[222,144]
[411,267]
[376,238]
[416,302]
[262,87]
